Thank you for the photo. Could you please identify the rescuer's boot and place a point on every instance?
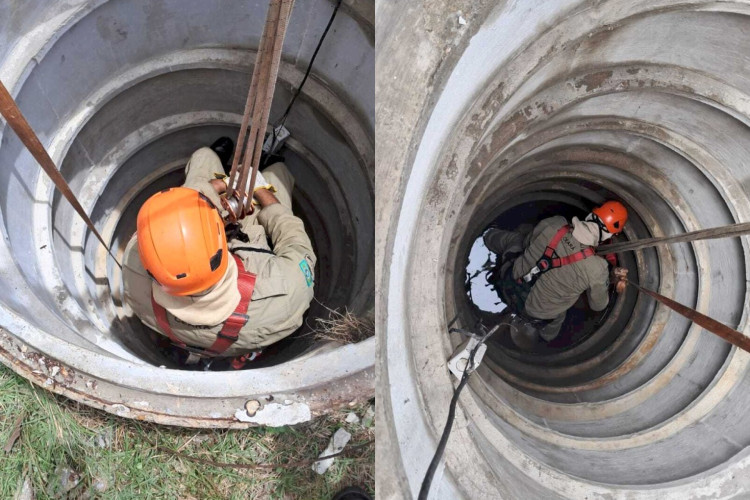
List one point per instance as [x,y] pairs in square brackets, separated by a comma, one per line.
[352,493]
[224,147]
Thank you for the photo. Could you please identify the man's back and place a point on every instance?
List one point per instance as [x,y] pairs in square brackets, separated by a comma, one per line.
[558,289]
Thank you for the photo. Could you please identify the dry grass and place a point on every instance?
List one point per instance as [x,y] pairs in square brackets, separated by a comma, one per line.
[345,328]
[111,457]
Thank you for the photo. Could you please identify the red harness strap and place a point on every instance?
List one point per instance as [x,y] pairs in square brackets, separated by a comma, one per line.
[546,262]
[568,259]
[232,325]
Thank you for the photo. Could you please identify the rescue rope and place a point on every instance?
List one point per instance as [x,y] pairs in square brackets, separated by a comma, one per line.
[258,106]
[730,335]
[12,114]
[729,231]
[283,118]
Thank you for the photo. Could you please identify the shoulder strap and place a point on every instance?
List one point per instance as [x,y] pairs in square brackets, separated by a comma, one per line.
[549,263]
[556,239]
[230,332]
[233,324]
[546,262]
[161,319]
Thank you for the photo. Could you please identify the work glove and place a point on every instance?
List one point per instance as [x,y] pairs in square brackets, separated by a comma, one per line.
[619,279]
[262,183]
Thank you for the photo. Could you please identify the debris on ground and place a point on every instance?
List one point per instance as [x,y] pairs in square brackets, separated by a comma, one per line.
[64,480]
[352,418]
[109,457]
[345,327]
[369,417]
[99,485]
[14,434]
[104,438]
[25,490]
[336,445]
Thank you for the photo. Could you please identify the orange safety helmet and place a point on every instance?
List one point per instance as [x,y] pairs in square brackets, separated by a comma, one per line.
[181,241]
[613,214]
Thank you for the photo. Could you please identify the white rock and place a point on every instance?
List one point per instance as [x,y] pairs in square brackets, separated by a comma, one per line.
[338,441]
[352,418]
[26,492]
[461,20]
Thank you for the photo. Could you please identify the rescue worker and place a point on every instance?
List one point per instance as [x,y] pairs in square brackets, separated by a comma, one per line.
[213,298]
[541,272]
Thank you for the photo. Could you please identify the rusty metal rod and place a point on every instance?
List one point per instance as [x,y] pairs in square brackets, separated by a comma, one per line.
[730,335]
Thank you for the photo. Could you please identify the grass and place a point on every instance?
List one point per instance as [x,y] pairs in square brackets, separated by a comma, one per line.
[63,443]
[345,328]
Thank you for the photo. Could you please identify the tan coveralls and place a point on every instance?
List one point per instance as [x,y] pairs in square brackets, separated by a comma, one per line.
[284,283]
[558,289]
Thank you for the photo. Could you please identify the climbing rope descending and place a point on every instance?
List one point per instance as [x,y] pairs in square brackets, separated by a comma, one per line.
[12,114]
[729,231]
[257,109]
[717,328]
[282,121]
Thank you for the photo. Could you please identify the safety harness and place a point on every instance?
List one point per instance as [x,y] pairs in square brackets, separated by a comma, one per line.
[547,262]
[514,292]
[230,330]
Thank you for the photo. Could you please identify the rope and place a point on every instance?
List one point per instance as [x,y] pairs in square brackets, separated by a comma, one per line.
[283,118]
[258,106]
[729,334]
[730,231]
[12,114]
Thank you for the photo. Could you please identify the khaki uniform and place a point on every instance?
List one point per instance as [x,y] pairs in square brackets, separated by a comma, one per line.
[555,291]
[284,284]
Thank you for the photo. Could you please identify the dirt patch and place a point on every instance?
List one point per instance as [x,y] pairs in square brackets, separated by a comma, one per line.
[593,81]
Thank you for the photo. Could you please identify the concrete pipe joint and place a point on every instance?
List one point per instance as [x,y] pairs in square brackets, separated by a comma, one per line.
[121,92]
[570,103]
